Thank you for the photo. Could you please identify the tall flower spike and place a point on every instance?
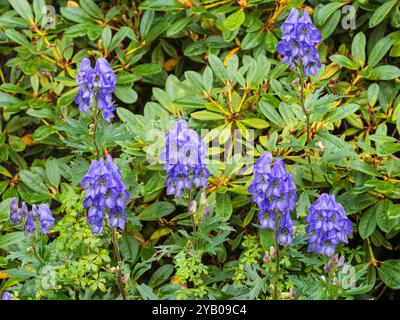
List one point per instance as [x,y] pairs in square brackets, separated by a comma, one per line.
[327,226]
[105,193]
[96,85]
[184,156]
[299,40]
[275,194]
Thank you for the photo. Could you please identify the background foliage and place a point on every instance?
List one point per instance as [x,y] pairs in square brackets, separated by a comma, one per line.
[214,63]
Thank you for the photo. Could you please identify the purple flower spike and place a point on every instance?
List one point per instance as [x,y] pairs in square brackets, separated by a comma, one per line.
[299,40]
[274,192]
[105,193]
[96,85]
[184,156]
[327,226]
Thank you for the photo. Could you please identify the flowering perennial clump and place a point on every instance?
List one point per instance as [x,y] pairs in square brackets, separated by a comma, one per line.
[184,156]
[275,194]
[96,85]
[328,225]
[298,43]
[105,193]
[42,214]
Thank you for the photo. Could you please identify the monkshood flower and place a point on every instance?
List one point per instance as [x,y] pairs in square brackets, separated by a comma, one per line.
[6,296]
[96,87]
[46,219]
[327,226]
[184,156]
[105,193]
[275,194]
[42,215]
[299,40]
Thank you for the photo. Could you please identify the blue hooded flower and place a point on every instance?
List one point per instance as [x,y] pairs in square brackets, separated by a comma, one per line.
[84,79]
[274,192]
[105,193]
[96,84]
[327,226]
[29,227]
[299,40]
[46,218]
[184,156]
[42,215]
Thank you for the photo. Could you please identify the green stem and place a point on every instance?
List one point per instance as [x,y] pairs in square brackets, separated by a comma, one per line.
[277,262]
[193,223]
[34,249]
[95,113]
[119,264]
[302,104]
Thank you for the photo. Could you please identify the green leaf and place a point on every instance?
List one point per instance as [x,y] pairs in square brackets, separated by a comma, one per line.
[10,239]
[126,94]
[326,11]
[23,9]
[146,22]
[53,172]
[178,26]
[91,8]
[367,223]
[120,36]
[330,26]
[379,51]
[373,93]
[389,273]
[206,115]
[129,247]
[271,42]
[147,69]
[18,38]
[217,67]
[381,13]
[358,48]
[43,132]
[5,209]
[342,112]
[235,20]
[344,62]
[156,211]
[252,40]
[256,123]
[106,36]
[386,72]
[161,275]
[382,216]
[33,181]
[224,206]
[270,113]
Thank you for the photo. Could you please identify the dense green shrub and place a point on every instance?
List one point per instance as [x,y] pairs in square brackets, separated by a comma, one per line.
[215,64]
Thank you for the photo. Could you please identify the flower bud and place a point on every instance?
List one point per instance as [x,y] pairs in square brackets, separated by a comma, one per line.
[267,257]
[272,252]
[207,210]
[340,263]
[192,207]
[328,267]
